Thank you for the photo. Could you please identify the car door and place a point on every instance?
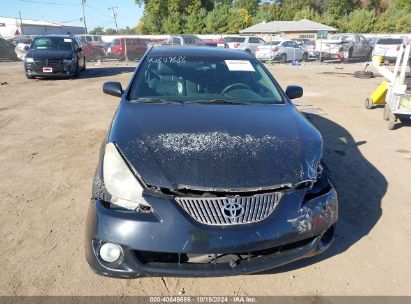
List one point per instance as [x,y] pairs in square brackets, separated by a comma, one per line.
[365,47]
[288,50]
[296,50]
[253,44]
[356,46]
[78,50]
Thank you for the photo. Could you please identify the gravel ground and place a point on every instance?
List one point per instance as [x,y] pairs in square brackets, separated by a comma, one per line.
[50,135]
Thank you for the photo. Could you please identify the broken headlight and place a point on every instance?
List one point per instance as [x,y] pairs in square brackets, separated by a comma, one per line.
[120,182]
[320,186]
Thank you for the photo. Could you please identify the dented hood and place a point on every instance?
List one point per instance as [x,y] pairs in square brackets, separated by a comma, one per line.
[201,146]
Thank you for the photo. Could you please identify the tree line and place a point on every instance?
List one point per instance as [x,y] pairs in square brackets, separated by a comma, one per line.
[230,16]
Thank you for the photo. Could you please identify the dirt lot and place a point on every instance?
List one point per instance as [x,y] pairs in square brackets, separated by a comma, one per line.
[50,135]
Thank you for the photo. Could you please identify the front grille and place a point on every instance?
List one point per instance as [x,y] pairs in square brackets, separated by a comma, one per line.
[48,62]
[230,210]
[150,257]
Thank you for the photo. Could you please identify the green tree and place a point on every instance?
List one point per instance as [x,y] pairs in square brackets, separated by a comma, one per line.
[290,7]
[394,20]
[307,13]
[361,21]
[267,12]
[217,19]
[99,30]
[172,24]
[111,31]
[149,24]
[339,7]
[195,22]
[239,18]
[127,31]
[250,5]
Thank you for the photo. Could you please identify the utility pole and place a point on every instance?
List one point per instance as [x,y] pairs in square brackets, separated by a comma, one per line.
[84,16]
[21,24]
[113,9]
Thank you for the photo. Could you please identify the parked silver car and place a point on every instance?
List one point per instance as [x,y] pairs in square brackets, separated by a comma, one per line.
[283,51]
[245,43]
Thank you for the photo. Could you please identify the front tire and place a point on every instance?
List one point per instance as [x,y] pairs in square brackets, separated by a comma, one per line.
[283,58]
[391,121]
[76,71]
[387,112]
[368,103]
[348,59]
[305,57]
[29,76]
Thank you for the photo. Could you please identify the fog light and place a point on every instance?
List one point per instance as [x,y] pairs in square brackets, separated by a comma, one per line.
[110,252]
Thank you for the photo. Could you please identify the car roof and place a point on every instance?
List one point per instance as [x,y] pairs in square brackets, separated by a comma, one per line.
[56,36]
[199,51]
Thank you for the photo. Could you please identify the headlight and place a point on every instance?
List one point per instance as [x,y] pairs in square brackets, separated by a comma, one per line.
[28,59]
[120,182]
[320,186]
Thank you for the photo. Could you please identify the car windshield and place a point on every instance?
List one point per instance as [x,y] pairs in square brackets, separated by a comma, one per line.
[340,37]
[204,80]
[234,39]
[52,44]
[390,41]
[272,43]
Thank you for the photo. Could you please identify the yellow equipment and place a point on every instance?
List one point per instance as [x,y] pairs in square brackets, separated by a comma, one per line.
[378,96]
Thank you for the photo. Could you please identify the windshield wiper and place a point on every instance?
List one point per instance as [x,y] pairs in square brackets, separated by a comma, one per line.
[218,101]
[156,100]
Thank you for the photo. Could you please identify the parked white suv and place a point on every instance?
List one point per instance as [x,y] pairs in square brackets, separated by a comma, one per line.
[389,47]
[245,43]
[283,51]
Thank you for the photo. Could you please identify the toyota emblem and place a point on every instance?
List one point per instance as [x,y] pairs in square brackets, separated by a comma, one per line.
[232,210]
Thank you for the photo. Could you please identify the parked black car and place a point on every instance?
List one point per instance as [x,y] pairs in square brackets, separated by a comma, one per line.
[7,52]
[50,56]
[208,169]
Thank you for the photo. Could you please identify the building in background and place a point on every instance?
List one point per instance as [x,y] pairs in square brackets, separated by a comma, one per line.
[287,29]
[12,27]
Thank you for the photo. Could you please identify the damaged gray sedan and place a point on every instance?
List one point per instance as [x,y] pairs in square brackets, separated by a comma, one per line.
[208,169]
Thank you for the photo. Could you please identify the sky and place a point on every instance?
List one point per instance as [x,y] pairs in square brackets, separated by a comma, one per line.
[70,11]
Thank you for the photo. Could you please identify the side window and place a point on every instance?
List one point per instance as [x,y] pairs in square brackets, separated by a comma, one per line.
[254,40]
[357,39]
[294,45]
[176,41]
[74,44]
[286,44]
[188,40]
[261,41]
[88,38]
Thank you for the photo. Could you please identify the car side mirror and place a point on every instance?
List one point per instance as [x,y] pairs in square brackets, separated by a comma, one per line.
[26,48]
[113,88]
[294,92]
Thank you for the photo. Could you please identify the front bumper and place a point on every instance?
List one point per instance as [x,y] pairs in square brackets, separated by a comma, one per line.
[169,241]
[327,55]
[61,69]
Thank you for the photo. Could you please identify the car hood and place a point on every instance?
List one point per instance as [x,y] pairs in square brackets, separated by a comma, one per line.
[43,55]
[217,147]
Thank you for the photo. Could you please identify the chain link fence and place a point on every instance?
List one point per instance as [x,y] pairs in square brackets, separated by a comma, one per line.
[128,49]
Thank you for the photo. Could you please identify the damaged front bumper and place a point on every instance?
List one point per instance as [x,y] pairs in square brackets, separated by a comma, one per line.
[169,242]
